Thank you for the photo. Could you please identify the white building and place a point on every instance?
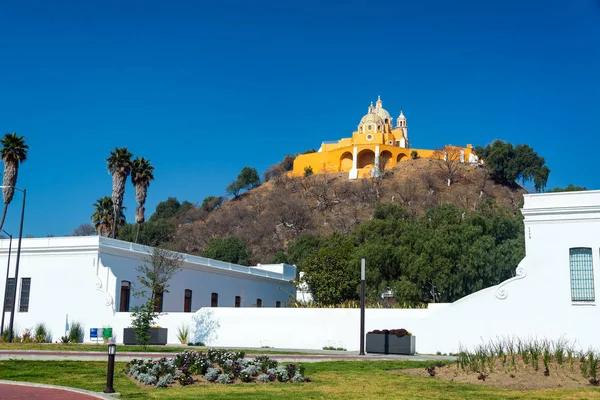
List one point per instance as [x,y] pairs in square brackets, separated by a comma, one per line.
[89,280]
[552,295]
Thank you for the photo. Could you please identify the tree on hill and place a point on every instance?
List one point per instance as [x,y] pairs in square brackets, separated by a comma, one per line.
[228,249]
[155,233]
[569,188]
[508,164]
[211,203]
[13,152]
[170,208]
[449,159]
[248,178]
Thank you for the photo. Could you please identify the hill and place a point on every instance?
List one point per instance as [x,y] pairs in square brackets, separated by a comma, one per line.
[267,218]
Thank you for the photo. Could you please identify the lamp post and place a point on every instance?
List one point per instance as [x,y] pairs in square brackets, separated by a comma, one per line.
[6,282]
[12,310]
[112,350]
[362,306]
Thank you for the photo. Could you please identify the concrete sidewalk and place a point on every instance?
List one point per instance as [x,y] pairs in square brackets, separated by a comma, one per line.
[128,356]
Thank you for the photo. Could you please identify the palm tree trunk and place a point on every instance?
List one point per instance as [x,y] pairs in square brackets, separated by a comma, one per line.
[3,215]
[137,234]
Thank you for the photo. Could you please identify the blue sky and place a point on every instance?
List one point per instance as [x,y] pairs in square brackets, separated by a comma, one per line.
[205,88]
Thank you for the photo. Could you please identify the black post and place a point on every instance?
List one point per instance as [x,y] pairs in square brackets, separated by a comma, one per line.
[112,350]
[6,282]
[13,310]
[362,307]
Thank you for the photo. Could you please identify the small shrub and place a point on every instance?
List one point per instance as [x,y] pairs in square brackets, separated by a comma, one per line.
[183,331]
[212,374]
[264,378]
[414,154]
[76,332]
[64,339]
[281,374]
[165,381]
[308,171]
[26,338]
[297,377]
[41,334]
[224,379]
[196,344]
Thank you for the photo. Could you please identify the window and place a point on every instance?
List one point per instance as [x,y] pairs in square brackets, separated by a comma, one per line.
[158,301]
[187,301]
[582,274]
[258,302]
[238,301]
[9,295]
[277,304]
[214,300]
[24,298]
[125,292]
[369,127]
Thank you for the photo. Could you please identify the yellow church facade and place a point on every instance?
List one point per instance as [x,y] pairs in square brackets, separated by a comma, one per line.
[376,146]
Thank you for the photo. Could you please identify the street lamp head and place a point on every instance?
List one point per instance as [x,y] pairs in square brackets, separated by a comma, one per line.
[362,269]
[14,187]
[112,349]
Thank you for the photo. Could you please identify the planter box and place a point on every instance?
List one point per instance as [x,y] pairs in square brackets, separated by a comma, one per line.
[390,344]
[158,336]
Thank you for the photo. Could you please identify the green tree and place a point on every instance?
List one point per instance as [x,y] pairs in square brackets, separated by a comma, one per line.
[508,164]
[14,152]
[569,188]
[234,188]
[154,274]
[155,233]
[103,216]
[142,173]
[248,178]
[170,208]
[212,203]
[228,249]
[330,276]
[119,165]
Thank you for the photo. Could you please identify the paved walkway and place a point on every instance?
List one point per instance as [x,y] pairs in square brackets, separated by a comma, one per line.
[128,356]
[10,390]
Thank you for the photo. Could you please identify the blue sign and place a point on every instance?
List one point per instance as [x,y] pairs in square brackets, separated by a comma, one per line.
[93,333]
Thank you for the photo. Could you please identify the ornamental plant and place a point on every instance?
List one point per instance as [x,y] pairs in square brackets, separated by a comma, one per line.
[216,366]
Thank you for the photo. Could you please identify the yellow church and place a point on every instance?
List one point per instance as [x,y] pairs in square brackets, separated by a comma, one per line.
[374,147]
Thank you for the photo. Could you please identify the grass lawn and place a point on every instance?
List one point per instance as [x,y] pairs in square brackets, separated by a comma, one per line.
[121,348]
[331,380]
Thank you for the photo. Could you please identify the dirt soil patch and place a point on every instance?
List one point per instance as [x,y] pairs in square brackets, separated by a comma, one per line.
[519,378]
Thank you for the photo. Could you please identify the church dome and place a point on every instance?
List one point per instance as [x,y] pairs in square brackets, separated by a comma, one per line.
[371,117]
[383,113]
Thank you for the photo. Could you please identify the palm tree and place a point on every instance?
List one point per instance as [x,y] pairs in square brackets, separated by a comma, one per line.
[141,176]
[119,165]
[103,216]
[13,152]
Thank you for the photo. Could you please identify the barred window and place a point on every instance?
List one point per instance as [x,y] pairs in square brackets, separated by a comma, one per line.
[582,274]
[9,295]
[24,300]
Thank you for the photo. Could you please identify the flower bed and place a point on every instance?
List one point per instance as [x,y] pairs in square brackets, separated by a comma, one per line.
[214,366]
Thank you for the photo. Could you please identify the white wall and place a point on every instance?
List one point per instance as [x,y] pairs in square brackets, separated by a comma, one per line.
[535,303]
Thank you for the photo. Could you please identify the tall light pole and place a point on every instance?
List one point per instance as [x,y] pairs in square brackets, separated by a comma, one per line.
[362,306]
[6,282]
[14,300]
